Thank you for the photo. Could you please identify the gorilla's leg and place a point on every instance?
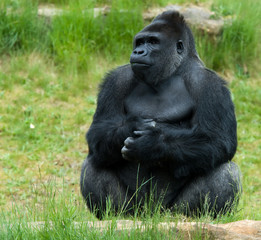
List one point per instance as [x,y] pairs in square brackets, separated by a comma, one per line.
[100,187]
[104,186]
[216,192]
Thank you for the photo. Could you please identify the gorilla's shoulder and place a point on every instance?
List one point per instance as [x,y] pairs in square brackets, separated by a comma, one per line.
[214,76]
[119,79]
[124,71]
[204,82]
[202,77]
[118,75]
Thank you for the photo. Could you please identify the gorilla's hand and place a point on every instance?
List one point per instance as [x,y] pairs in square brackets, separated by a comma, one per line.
[146,140]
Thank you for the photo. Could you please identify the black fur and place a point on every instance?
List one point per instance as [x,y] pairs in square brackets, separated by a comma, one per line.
[163,123]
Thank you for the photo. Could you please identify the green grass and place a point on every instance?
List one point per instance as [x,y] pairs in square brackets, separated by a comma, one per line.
[239,45]
[49,75]
[20,28]
[62,215]
[73,38]
[77,35]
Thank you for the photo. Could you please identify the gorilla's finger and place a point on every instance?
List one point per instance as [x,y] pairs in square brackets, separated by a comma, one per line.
[124,150]
[152,124]
[128,141]
[140,133]
[147,120]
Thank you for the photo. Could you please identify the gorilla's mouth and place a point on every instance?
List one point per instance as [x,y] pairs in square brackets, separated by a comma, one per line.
[140,64]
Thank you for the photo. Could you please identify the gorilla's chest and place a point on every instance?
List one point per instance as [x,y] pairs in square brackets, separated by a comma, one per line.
[169,102]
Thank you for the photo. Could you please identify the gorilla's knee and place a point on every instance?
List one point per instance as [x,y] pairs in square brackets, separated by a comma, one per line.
[226,187]
[217,192]
[86,178]
[101,187]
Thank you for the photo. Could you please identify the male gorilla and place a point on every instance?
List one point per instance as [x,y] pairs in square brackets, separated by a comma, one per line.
[164,125]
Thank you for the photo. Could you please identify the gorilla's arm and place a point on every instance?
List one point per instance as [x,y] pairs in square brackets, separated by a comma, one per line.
[210,141]
[110,127]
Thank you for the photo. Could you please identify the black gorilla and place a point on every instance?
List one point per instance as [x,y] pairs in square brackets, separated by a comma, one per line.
[164,124]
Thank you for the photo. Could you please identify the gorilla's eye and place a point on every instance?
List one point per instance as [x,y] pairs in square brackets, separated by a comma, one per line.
[180,46]
[153,40]
[139,42]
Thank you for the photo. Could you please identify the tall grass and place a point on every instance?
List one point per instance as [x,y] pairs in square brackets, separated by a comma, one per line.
[77,35]
[61,215]
[238,46]
[20,27]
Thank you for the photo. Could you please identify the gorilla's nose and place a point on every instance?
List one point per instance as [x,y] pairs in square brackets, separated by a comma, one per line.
[140,52]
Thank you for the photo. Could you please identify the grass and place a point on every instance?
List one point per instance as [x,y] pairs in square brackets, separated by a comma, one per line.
[88,36]
[48,84]
[238,46]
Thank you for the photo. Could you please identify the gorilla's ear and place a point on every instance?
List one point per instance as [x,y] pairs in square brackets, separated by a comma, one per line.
[180,46]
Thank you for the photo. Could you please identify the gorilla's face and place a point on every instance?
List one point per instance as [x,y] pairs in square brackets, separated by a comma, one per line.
[157,52]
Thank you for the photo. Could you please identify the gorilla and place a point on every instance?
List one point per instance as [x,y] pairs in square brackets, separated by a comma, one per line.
[164,127]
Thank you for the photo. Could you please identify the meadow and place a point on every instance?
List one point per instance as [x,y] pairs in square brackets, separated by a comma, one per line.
[49,78]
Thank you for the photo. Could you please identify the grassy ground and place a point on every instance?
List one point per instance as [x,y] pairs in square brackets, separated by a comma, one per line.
[48,83]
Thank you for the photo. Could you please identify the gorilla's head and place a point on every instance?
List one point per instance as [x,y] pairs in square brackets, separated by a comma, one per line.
[160,48]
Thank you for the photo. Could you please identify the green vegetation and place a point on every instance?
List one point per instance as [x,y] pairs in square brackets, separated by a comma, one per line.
[49,74]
